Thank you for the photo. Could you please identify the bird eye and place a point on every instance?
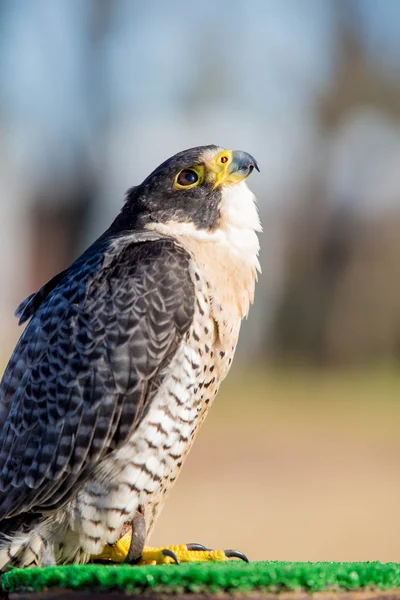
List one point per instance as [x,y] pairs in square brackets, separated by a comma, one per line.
[187,177]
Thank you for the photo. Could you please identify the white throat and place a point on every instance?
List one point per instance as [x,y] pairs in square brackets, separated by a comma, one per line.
[238,227]
[240,222]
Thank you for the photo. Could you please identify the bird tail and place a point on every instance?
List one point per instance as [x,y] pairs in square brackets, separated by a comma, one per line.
[20,543]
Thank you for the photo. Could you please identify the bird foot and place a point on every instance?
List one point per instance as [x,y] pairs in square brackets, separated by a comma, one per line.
[168,554]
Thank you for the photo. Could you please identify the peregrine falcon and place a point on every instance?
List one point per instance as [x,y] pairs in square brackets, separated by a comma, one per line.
[122,356]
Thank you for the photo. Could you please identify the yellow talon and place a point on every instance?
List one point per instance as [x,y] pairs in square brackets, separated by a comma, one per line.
[164,555]
[155,556]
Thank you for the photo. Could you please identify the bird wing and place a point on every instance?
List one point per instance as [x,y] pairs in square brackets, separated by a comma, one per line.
[82,374]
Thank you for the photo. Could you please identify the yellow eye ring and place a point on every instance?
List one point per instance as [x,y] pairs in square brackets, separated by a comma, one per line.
[189,178]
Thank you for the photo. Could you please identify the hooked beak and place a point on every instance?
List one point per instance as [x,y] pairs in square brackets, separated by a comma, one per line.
[237,169]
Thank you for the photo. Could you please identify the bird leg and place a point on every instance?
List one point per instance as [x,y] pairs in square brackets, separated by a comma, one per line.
[130,549]
[138,537]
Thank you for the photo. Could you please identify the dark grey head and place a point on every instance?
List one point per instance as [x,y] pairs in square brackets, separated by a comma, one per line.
[187,187]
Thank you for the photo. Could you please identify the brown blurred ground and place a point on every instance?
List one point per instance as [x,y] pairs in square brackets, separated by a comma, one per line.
[295,466]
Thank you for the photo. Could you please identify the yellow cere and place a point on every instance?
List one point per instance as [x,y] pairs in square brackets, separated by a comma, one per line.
[223,159]
[220,167]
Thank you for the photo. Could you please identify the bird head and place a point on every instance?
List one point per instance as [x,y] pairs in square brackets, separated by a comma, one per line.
[197,189]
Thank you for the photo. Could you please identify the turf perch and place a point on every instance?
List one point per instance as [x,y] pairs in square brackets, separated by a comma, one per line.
[274,576]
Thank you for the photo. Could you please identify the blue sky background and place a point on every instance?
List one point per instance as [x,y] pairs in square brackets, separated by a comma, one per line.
[115,87]
[262,59]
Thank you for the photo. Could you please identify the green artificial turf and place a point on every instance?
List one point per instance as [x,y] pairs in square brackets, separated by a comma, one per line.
[209,577]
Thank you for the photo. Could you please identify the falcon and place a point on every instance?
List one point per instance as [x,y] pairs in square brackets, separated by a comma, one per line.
[120,361]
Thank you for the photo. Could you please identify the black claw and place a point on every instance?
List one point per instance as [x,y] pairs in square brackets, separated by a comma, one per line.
[168,552]
[236,554]
[197,547]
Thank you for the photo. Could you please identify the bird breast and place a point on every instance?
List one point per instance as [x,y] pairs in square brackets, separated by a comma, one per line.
[140,473]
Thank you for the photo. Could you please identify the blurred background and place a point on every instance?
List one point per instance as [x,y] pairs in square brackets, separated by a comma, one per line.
[300,456]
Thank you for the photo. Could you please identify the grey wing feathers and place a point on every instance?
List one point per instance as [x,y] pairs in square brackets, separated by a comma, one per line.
[82,373]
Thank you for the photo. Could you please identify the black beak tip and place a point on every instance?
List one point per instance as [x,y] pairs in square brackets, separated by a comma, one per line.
[251,162]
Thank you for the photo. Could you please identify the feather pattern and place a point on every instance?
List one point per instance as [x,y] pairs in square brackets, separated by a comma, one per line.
[82,375]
